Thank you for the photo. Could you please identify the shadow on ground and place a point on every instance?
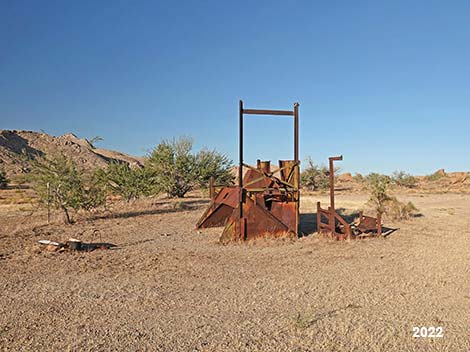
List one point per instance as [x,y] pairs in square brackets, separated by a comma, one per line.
[160,208]
[88,247]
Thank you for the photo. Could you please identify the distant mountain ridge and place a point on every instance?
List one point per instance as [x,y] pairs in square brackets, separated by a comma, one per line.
[13,143]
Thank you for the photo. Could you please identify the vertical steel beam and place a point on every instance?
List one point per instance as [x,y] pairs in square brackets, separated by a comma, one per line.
[332,184]
[240,170]
[296,132]
[297,166]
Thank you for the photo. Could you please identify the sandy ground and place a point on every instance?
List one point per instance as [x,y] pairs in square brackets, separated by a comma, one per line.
[166,287]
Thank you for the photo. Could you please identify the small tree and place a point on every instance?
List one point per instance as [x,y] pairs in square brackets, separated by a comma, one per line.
[58,183]
[120,178]
[176,170]
[173,167]
[93,141]
[3,180]
[383,202]
[315,177]
[378,185]
[211,163]
[403,179]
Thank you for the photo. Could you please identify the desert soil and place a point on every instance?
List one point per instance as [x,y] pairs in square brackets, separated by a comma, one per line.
[167,287]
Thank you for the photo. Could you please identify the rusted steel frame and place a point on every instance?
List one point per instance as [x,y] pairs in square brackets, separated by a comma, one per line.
[284,183]
[272,172]
[321,225]
[266,175]
[240,172]
[259,189]
[268,112]
[296,133]
[296,158]
[293,113]
[340,219]
[364,223]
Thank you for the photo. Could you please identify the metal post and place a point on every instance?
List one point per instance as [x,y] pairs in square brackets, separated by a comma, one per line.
[297,166]
[240,169]
[296,132]
[332,185]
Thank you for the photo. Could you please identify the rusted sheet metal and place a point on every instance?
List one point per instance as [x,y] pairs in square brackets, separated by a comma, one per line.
[220,208]
[266,201]
[257,222]
[369,225]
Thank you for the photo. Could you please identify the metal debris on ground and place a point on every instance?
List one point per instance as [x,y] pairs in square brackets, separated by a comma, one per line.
[331,223]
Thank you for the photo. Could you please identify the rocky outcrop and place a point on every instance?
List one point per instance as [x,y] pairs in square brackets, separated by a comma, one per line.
[17,147]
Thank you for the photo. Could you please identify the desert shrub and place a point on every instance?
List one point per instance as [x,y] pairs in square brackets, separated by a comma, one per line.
[384,203]
[315,177]
[121,179]
[176,170]
[92,141]
[3,180]
[400,211]
[58,183]
[402,179]
[378,185]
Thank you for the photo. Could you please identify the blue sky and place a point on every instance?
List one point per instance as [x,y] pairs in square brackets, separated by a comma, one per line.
[386,84]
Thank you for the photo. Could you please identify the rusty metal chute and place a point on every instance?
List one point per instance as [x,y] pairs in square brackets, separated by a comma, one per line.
[266,200]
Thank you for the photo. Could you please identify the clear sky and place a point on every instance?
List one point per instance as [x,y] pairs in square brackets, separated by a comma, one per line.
[385,83]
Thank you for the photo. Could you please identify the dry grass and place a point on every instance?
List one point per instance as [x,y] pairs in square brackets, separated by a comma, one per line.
[169,288]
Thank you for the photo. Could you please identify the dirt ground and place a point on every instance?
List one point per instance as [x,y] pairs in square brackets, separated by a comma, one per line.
[167,287]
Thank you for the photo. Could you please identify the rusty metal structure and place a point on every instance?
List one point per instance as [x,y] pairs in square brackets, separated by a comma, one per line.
[331,223]
[334,225]
[369,225]
[266,200]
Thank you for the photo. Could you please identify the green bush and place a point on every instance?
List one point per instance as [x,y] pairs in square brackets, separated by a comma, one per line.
[121,179]
[59,184]
[211,163]
[402,179]
[314,177]
[3,180]
[176,170]
[378,185]
[384,203]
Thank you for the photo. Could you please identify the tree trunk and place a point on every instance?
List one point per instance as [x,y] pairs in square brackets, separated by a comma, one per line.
[66,215]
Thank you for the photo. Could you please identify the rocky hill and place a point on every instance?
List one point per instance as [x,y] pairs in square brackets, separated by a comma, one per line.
[13,144]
